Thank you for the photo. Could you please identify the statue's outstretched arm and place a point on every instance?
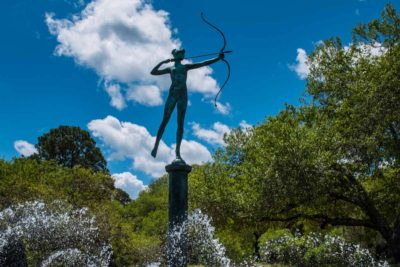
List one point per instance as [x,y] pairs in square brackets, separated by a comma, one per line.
[205,63]
[156,70]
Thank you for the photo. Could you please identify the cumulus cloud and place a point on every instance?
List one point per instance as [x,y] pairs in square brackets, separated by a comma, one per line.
[129,183]
[148,95]
[117,100]
[244,125]
[75,3]
[24,148]
[200,80]
[127,140]
[122,41]
[213,136]
[301,68]
[224,109]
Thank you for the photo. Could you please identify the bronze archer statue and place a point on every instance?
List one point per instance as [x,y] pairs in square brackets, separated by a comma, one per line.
[177,95]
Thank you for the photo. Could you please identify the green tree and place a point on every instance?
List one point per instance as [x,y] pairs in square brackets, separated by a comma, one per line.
[149,211]
[335,161]
[24,179]
[225,192]
[71,146]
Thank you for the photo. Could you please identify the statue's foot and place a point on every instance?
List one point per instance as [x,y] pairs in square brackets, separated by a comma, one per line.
[178,159]
[154,152]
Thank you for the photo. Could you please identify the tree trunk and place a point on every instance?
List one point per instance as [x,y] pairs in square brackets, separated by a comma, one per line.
[394,246]
[257,236]
[394,250]
[391,236]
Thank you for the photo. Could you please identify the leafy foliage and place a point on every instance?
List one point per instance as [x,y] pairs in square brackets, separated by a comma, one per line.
[52,233]
[331,166]
[333,162]
[71,146]
[317,250]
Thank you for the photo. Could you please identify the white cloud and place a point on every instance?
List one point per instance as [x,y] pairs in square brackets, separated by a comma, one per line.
[117,100]
[224,109]
[244,125]
[24,148]
[75,3]
[301,68]
[122,41]
[127,140]
[129,183]
[199,80]
[213,136]
[194,152]
[148,95]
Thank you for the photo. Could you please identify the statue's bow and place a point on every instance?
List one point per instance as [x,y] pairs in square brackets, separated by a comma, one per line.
[222,50]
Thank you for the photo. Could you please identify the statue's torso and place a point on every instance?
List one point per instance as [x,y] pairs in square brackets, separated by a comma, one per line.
[178,77]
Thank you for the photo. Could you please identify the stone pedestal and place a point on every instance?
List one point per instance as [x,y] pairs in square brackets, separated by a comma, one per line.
[177,211]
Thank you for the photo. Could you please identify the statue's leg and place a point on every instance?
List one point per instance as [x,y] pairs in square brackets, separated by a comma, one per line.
[168,109]
[182,105]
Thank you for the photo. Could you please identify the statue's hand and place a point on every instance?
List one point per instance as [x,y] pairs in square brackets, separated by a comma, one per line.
[167,61]
[221,56]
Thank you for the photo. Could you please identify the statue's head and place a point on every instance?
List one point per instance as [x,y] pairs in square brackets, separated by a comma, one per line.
[178,53]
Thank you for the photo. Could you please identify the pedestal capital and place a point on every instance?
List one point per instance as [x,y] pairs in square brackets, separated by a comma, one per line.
[178,166]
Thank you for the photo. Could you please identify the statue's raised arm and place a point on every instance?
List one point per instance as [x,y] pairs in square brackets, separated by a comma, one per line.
[205,63]
[156,70]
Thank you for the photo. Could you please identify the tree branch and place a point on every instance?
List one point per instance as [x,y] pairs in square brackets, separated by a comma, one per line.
[395,138]
[325,220]
[370,210]
[344,198]
[396,228]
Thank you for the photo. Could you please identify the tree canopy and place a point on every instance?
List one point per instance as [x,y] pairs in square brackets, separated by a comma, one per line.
[331,162]
[71,146]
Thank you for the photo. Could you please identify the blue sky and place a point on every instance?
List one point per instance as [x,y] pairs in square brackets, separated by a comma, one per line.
[59,66]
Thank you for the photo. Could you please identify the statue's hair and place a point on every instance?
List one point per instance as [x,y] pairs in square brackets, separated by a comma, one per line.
[175,51]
